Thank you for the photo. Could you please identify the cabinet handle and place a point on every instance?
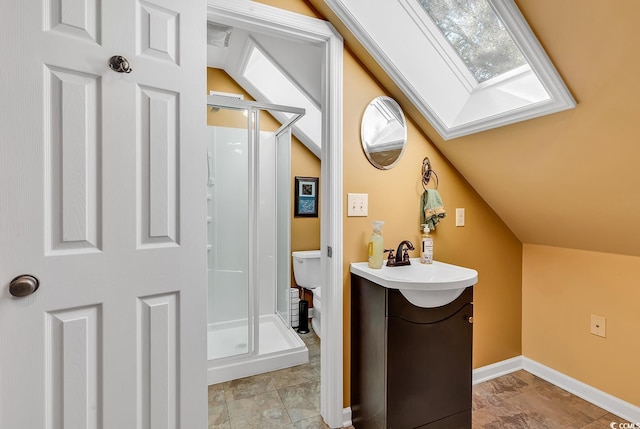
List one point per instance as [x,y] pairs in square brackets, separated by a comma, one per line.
[470,319]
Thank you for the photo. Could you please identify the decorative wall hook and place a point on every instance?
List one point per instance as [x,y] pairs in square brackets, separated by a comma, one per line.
[427,172]
[119,64]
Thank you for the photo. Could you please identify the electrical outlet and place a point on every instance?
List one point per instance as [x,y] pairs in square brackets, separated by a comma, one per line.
[598,325]
[460,217]
[357,204]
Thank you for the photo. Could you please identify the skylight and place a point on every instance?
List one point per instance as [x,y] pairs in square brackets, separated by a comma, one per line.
[277,87]
[477,34]
[467,65]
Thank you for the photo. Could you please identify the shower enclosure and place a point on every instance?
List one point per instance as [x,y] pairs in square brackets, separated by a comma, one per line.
[249,210]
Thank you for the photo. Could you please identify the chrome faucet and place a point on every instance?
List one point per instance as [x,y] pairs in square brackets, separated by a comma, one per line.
[402,256]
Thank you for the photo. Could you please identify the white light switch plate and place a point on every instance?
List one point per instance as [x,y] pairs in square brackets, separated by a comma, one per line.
[357,204]
[459,217]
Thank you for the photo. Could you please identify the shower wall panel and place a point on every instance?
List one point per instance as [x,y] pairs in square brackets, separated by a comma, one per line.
[230,221]
[228,206]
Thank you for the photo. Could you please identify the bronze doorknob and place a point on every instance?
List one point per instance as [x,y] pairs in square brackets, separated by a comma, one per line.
[24,285]
[119,64]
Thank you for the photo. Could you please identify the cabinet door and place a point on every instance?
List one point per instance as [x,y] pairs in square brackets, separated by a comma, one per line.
[429,368]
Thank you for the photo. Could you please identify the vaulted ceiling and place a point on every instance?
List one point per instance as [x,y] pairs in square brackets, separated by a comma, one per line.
[273,70]
[569,179]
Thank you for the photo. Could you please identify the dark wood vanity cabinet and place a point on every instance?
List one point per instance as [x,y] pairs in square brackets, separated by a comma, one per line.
[410,366]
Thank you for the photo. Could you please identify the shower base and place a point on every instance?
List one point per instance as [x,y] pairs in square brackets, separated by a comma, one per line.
[279,347]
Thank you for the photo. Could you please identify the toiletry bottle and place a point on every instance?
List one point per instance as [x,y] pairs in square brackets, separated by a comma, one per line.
[426,246]
[375,245]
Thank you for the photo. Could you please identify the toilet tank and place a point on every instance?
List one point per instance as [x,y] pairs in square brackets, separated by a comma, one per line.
[306,268]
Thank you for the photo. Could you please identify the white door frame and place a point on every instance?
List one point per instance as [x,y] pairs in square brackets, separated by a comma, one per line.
[256,17]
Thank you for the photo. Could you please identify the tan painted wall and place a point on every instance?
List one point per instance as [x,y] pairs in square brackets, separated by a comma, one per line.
[550,178]
[561,289]
[305,231]
[484,244]
[542,176]
[568,180]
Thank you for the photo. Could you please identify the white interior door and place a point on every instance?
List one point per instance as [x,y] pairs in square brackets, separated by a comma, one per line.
[102,198]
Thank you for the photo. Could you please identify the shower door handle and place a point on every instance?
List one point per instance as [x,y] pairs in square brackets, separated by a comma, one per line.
[209,168]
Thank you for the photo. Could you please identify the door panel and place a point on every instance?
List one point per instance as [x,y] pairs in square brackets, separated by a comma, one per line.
[159,32]
[72,151]
[102,198]
[158,360]
[76,18]
[73,349]
[158,165]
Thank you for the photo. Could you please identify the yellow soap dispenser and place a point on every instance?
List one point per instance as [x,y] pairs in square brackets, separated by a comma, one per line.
[376,248]
[426,246]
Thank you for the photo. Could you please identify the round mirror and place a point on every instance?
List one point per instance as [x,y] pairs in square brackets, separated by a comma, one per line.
[383,132]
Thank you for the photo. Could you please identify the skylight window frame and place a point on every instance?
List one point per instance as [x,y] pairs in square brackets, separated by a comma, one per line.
[432,32]
[518,71]
[422,18]
[314,144]
[439,98]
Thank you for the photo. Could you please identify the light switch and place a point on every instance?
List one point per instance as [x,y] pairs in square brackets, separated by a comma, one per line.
[357,204]
[460,217]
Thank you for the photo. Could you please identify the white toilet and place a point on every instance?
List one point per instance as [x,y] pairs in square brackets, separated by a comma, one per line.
[306,270]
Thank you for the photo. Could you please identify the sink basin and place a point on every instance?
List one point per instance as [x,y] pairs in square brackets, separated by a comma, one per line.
[424,285]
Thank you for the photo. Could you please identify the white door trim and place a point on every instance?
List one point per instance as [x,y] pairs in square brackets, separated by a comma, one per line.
[265,19]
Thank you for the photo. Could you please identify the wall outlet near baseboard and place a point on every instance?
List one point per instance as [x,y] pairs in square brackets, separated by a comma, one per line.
[598,325]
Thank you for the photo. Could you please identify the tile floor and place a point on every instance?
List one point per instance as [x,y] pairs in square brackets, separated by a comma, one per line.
[522,400]
[284,399]
[290,399]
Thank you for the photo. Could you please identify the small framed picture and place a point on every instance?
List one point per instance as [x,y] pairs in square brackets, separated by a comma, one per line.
[306,197]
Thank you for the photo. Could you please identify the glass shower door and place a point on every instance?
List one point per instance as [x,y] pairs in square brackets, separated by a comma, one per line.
[229,188]
[249,225]
[283,223]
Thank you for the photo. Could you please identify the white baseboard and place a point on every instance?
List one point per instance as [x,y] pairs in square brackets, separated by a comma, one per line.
[597,397]
[346,417]
[497,369]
